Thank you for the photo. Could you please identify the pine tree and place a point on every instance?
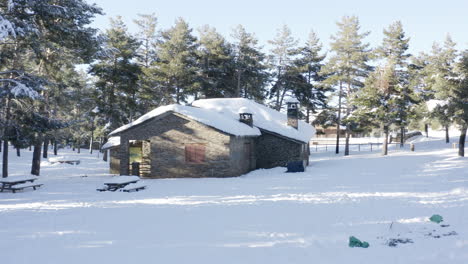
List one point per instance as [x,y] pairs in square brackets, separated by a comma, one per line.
[313,95]
[44,28]
[151,93]
[216,64]
[83,113]
[282,55]
[251,74]
[117,76]
[440,66]
[177,67]
[457,98]
[393,52]
[147,35]
[376,102]
[347,68]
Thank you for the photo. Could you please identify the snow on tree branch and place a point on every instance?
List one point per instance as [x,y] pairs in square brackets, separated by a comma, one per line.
[21,85]
[6,28]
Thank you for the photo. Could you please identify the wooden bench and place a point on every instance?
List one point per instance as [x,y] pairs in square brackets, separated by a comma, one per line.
[20,187]
[135,187]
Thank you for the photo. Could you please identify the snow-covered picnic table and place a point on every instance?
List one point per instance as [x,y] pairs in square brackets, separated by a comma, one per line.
[71,162]
[18,183]
[134,187]
[118,183]
[64,159]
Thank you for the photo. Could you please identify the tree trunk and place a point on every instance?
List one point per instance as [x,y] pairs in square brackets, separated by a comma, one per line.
[91,141]
[5,159]
[36,161]
[79,146]
[337,150]
[5,142]
[18,152]
[461,144]
[1,145]
[348,112]
[104,155]
[55,147]
[308,115]
[447,138]
[101,143]
[426,129]
[348,134]
[177,95]
[238,90]
[385,142]
[46,148]
[402,137]
[282,99]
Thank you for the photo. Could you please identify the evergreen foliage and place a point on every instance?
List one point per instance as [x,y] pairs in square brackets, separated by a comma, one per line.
[283,53]
[347,69]
[45,98]
[309,89]
[117,76]
[250,66]
[177,65]
[216,65]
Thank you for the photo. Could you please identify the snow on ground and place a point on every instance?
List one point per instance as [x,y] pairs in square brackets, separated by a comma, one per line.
[266,216]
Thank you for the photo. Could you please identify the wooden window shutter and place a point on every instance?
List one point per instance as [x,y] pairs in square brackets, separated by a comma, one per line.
[195,153]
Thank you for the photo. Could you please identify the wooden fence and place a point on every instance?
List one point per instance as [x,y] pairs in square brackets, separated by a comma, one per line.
[317,146]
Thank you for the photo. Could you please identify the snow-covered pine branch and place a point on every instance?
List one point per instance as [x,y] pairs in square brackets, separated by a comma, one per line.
[21,85]
[6,28]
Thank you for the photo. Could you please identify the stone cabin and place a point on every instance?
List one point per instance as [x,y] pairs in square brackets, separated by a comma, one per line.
[210,138]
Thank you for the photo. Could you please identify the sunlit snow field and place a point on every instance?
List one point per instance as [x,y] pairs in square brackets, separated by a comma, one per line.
[266,216]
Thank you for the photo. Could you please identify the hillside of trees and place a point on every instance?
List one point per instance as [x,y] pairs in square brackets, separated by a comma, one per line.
[48,99]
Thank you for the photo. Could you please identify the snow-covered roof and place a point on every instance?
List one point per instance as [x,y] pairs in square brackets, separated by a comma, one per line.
[223,114]
[291,100]
[263,117]
[111,142]
[205,116]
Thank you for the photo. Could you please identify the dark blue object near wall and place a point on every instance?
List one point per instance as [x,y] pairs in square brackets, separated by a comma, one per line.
[296,166]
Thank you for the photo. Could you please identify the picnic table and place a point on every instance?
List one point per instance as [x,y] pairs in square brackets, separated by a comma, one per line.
[71,162]
[18,183]
[118,183]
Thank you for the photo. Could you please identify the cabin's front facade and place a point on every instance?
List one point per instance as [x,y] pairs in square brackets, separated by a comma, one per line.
[175,144]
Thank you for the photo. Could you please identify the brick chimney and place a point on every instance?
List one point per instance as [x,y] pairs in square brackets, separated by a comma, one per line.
[293,114]
[245,116]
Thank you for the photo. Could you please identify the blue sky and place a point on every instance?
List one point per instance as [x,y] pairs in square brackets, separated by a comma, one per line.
[424,21]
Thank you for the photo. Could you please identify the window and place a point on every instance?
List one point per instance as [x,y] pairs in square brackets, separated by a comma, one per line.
[195,153]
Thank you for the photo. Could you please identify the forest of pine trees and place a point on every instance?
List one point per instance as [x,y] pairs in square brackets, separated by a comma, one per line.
[47,101]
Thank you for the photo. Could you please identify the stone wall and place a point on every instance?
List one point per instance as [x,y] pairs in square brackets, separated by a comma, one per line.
[114,160]
[273,151]
[243,158]
[167,136]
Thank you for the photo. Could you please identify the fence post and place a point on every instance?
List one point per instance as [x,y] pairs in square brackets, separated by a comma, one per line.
[371,146]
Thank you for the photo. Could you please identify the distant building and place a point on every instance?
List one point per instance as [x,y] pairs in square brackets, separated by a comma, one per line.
[329,132]
[211,138]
